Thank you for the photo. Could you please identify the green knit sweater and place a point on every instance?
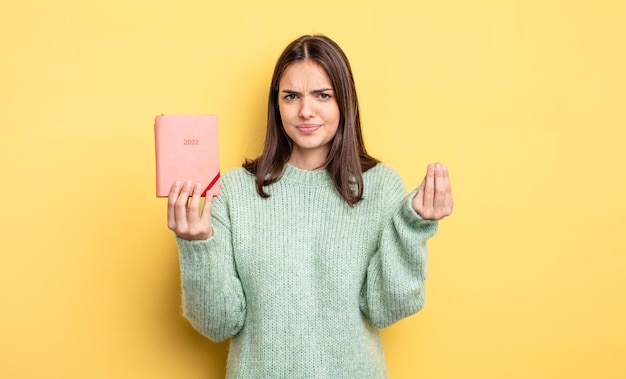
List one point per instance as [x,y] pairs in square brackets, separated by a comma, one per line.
[301,281]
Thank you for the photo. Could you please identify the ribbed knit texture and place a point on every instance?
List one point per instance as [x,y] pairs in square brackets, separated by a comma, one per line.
[301,281]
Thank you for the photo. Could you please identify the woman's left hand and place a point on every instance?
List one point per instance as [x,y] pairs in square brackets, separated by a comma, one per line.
[434,196]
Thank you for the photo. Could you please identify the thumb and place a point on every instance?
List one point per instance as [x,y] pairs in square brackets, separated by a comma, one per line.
[418,200]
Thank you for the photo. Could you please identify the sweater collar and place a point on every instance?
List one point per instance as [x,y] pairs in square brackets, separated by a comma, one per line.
[312,178]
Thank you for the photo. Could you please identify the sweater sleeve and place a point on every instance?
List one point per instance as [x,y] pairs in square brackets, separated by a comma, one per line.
[213,298]
[394,283]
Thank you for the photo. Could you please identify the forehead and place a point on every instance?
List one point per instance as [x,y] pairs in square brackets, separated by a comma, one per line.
[306,73]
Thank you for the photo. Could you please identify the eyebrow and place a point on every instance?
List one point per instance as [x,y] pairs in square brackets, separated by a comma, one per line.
[313,91]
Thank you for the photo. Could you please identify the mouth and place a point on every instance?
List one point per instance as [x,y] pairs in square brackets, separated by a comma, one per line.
[308,128]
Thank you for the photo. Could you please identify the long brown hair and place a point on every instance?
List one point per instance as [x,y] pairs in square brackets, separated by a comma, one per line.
[347,158]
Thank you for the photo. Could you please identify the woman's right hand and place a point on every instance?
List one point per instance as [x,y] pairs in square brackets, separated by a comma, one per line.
[184,216]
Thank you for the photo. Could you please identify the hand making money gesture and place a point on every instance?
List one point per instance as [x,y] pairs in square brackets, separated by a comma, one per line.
[434,197]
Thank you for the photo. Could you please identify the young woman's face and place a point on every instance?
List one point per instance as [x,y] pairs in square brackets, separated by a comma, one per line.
[309,111]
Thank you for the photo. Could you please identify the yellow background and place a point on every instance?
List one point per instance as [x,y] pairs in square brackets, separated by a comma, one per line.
[525,101]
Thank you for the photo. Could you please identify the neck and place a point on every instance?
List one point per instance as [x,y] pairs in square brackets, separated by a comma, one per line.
[308,160]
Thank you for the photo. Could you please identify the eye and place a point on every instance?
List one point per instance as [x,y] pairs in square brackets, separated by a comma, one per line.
[290,96]
[324,95]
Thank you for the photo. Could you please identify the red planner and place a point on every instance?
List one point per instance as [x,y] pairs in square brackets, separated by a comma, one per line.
[186,149]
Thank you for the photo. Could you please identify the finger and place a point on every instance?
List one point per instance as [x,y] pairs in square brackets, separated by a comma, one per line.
[440,188]
[194,204]
[180,208]
[449,203]
[171,201]
[429,188]
[446,177]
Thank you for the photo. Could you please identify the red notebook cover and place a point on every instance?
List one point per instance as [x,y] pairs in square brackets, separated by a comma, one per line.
[186,149]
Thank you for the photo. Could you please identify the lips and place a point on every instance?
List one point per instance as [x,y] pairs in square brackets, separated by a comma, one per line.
[308,128]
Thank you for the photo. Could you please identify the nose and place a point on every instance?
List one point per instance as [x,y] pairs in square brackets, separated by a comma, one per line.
[306,108]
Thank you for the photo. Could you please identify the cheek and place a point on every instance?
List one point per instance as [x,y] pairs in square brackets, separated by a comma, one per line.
[335,115]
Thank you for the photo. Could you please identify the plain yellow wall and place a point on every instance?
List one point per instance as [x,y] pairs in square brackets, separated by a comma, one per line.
[524,100]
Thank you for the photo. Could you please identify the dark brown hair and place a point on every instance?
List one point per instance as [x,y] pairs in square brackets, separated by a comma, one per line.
[347,158]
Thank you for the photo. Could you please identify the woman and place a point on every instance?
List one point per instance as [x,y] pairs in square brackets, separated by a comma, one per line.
[314,245]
